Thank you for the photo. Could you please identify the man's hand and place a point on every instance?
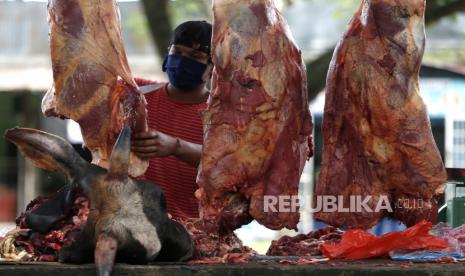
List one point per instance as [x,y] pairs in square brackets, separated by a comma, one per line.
[154,144]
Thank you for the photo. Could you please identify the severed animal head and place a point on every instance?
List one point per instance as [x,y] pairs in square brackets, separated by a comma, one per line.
[128,221]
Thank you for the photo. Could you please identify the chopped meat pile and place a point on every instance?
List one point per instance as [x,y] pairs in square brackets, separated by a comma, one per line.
[213,248]
[257,125]
[304,245]
[45,247]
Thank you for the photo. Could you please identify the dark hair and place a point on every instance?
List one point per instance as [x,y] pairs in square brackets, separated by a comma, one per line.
[193,34]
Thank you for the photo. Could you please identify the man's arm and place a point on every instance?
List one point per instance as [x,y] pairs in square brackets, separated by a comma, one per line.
[188,152]
[156,144]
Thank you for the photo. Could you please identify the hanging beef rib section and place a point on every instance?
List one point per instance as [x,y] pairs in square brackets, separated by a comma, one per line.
[92,80]
[257,124]
[377,139]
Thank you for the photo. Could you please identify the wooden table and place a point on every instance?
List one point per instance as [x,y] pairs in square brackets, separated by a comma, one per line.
[356,268]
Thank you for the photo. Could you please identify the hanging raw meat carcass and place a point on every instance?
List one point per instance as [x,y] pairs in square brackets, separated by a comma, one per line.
[88,58]
[257,124]
[376,132]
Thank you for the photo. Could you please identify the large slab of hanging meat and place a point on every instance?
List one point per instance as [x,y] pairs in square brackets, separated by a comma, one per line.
[376,131]
[88,58]
[257,124]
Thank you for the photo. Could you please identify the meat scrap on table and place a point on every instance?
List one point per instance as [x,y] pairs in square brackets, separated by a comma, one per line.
[45,247]
[304,244]
[212,247]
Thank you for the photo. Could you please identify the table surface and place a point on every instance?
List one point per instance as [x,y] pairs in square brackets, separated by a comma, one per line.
[359,268]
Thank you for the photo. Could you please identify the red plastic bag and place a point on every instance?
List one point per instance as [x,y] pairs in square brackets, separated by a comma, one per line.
[358,244]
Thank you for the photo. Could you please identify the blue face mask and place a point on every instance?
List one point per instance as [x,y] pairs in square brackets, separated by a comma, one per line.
[184,73]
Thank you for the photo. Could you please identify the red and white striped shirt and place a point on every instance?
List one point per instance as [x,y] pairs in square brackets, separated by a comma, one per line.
[176,178]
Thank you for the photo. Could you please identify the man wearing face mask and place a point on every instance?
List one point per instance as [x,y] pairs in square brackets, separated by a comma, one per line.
[173,143]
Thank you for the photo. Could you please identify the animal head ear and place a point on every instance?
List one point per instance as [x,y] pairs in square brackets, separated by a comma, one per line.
[119,160]
[46,150]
